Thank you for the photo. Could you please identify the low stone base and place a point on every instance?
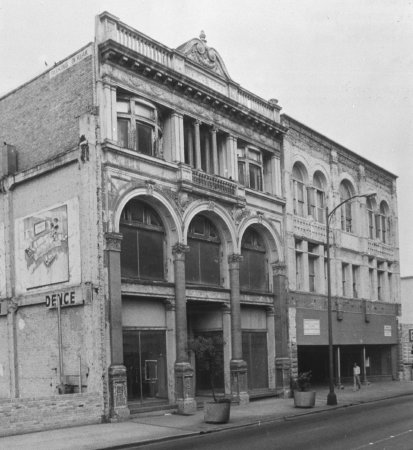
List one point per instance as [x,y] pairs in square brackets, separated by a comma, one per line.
[239,386]
[119,410]
[283,377]
[184,388]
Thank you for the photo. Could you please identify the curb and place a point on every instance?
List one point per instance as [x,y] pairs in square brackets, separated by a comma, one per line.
[266,420]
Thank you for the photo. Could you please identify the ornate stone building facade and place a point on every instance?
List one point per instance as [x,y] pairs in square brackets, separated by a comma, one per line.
[365,273]
[154,201]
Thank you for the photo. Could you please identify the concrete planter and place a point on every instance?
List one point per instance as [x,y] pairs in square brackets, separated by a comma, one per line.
[304,399]
[217,412]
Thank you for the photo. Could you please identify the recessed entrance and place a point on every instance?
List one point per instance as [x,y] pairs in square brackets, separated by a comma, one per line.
[144,356]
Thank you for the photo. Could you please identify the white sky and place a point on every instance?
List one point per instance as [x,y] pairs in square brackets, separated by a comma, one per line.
[342,67]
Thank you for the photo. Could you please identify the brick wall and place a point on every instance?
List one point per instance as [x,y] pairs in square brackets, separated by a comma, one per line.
[41,118]
[25,415]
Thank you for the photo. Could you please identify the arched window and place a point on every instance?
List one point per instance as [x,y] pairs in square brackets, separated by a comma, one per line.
[383,223]
[346,209]
[253,267]
[142,247]
[298,190]
[203,261]
[370,215]
[316,199]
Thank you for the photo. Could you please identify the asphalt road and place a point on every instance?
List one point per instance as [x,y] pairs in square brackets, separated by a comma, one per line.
[386,424]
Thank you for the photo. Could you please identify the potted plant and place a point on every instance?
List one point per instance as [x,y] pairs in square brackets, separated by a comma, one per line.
[303,396]
[208,351]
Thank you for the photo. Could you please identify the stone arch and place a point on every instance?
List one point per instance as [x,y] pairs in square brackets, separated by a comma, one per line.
[224,225]
[301,165]
[166,212]
[271,238]
[158,201]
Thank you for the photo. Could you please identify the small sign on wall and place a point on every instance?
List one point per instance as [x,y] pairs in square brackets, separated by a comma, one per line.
[311,327]
[387,330]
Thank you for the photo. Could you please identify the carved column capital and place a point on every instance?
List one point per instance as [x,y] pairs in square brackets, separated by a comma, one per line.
[113,241]
[169,304]
[235,258]
[279,269]
[179,250]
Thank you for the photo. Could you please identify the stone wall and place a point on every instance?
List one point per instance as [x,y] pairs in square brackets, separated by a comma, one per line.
[25,415]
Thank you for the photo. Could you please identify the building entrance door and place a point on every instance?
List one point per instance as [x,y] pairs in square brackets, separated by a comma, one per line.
[144,357]
[254,352]
[202,368]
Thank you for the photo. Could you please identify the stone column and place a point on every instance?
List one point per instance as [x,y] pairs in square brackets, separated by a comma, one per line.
[184,373]
[215,166]
[271,346]
[226,334]
[232,157]
[238,367]
[282,360]
[117,371]
[177,138]
[198,163]
[170,347]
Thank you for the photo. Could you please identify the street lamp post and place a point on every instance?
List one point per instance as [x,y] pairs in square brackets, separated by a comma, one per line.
[331,397]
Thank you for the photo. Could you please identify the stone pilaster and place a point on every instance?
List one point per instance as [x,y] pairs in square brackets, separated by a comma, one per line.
[184,373]
[281,309]
[238,367]
[117,371]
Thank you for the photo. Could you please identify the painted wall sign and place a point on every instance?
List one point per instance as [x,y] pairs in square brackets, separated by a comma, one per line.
[44,244]
[311,327]
[65,298]
[71,62]
[387,330]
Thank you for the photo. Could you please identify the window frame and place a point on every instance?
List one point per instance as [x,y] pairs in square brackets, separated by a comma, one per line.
[134,121]
[244,153]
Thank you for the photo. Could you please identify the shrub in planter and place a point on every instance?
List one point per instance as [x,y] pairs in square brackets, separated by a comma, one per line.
[303,396]
[208,354]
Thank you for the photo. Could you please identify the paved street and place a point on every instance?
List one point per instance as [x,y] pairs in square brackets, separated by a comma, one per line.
[258,418]
[385,424]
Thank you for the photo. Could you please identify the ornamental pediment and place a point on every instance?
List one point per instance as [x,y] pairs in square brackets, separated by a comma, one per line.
[198,51]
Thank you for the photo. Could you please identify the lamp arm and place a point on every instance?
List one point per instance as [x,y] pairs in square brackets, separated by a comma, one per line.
[345,201]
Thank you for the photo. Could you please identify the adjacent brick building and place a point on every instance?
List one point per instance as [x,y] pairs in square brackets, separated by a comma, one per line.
[146,198]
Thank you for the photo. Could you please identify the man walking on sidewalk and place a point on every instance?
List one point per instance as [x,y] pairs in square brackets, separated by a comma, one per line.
[356,377]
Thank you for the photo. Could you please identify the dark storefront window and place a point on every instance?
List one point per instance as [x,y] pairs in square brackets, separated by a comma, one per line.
[253,267]
[144,356]
[143,242]
[203,260]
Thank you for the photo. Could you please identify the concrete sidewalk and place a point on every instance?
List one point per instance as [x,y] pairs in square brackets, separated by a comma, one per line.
[149,427]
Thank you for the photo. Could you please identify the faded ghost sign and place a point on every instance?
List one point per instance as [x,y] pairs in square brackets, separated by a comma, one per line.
[43,247]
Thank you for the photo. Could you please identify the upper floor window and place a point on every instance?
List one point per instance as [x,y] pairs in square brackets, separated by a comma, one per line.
[139,126]
[383,223]
[142,248]
[250,167]
[346,209]
[298,190]
[253,268]
[203,259]
[316,199]
[370,216]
